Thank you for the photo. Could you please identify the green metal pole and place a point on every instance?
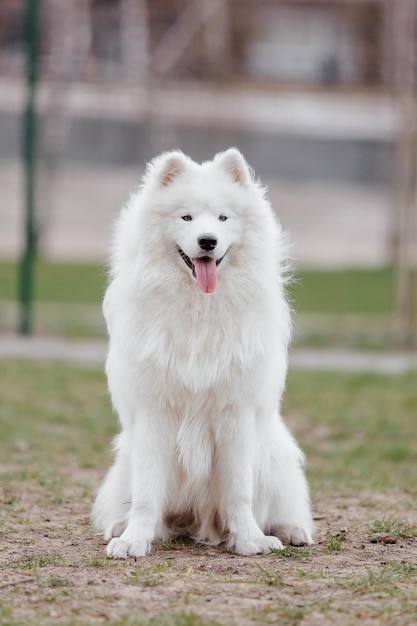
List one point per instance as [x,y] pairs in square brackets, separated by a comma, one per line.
[29,155]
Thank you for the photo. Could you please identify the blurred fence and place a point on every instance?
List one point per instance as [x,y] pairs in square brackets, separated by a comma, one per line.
[320,96]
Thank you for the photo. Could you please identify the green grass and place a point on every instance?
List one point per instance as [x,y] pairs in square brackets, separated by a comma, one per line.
[352,291]
[352,308]
[344,292]
[268,577]
[358,429]
[334,543]
[290,553]
[56,408]
[152,576]
[67,299]
[394,526]
[383,581]
[57,282]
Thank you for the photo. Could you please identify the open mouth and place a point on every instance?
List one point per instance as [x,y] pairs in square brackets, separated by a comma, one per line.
[202,259]
[204,269]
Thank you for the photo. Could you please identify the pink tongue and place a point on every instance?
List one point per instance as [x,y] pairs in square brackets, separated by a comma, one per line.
[206,274]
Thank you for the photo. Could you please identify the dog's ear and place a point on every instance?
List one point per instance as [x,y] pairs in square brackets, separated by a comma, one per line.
[235,165]
[173,164]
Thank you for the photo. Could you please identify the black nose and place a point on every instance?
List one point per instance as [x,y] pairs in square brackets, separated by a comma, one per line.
[207,241]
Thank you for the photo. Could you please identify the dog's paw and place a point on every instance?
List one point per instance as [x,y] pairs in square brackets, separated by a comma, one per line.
[120,549]
[261,545]
[293,535]
[114,530]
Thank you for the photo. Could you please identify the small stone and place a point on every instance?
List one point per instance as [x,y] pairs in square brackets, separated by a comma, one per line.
[385,538]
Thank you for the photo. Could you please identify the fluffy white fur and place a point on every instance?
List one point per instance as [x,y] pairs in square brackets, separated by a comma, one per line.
[196,378]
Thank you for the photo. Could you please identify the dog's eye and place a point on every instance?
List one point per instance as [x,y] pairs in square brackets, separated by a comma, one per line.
[187,218]
[222,218]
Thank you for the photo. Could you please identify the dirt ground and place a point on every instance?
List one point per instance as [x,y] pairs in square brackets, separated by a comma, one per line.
[53,568]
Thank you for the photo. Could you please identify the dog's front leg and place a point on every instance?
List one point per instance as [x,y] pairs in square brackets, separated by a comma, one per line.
[235,454]
[150,455]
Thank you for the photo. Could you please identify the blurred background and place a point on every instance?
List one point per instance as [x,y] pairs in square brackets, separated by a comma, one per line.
[320,96]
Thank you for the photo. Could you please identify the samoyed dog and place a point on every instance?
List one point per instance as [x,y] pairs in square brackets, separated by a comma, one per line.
[199,329]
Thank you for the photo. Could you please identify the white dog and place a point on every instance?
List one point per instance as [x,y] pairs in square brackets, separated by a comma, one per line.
[199,329]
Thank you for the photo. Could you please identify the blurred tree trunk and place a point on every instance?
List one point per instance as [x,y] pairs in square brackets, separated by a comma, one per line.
[405,32]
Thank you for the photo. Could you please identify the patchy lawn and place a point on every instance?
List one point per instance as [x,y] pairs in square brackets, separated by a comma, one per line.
[360,438]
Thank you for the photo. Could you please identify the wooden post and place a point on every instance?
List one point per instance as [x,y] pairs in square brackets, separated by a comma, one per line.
[404,15]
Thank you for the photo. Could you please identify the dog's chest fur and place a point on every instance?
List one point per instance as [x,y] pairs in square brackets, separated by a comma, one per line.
[197,344]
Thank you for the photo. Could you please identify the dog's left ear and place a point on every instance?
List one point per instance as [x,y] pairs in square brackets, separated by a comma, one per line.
[235,165]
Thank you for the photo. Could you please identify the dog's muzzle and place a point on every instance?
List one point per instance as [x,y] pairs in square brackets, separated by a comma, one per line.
[191,265]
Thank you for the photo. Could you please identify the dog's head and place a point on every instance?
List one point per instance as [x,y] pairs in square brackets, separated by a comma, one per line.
[201,206]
